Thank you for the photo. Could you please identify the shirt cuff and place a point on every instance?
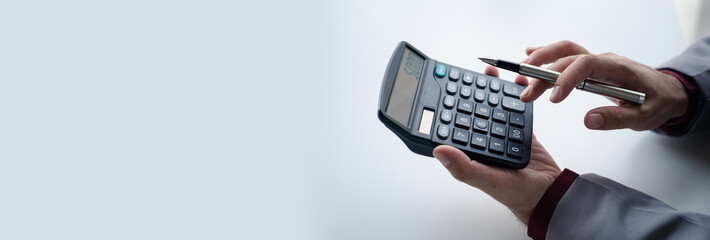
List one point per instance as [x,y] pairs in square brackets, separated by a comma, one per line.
[678,126]
[540,218]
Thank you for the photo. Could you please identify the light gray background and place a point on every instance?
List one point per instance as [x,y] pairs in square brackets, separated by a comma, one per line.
[245,120]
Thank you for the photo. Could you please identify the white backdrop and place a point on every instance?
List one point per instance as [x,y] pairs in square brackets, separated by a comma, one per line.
[244,120]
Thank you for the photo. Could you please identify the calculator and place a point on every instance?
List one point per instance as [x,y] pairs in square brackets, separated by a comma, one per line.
[427,103]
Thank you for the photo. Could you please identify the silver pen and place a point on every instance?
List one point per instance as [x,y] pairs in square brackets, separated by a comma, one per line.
[551,76]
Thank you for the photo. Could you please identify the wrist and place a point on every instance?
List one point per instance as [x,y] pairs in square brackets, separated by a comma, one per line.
[678,95]
[524,208]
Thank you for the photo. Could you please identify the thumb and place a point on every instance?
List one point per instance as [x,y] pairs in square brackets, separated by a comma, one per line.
[460,166]
[608,118]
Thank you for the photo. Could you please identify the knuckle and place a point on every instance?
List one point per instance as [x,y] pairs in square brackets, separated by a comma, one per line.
[459,174]
[615,116]
[567,43]
[588,59]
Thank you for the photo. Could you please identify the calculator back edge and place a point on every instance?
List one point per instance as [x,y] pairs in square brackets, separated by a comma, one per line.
[415,144]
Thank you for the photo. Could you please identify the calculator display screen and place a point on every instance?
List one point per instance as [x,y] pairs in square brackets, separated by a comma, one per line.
[405,87]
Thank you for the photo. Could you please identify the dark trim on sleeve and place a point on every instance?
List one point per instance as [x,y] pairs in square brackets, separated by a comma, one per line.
[680,125]
[540,218]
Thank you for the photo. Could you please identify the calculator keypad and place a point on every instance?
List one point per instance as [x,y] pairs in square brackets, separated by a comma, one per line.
[482,113]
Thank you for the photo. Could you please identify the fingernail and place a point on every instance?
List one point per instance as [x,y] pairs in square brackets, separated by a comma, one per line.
[555,93]
[595,121]
[525,92]
[444,159]
[525,60]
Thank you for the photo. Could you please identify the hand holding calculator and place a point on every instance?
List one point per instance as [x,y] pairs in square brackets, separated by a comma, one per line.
[429,103]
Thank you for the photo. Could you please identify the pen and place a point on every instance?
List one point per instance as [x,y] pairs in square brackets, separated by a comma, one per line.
[551,77]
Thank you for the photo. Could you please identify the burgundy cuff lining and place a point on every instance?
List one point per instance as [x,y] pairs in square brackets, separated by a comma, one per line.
[676,127]
[540,218]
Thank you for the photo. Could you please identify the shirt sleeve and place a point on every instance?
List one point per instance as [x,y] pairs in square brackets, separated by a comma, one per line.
[677,126]
[694,64]
[540,218]
[594,207]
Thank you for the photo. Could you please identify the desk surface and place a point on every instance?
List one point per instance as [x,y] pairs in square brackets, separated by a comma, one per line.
[220,120]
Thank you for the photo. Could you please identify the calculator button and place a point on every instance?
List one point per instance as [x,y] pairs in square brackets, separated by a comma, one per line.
[513,90]
[460,136]
[446,116]
[479,140]
[481,82]
[513,104]
[443,131]
[480,125]
[498,130]
[463,121]
[493,99]
[479,95]
[515,150]
[440,70]
[483,111]
[467,78]
[500,115]
[449,101]
[515,134]
[497,146]
[495,85]
[451,88]
[454,74]
[466,92]
[465,106]
[517,120]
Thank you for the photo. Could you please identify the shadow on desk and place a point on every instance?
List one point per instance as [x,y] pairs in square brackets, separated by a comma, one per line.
[694,148]
[674,170]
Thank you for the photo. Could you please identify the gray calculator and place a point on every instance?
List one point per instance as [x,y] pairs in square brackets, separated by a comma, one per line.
[427,103]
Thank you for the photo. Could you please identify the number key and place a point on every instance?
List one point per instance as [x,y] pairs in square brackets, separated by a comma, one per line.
[463,121]
[500,115]
[480,125]
[460,136]
[515,150]
[465,106]
[483,111]
[497,145]
[479,140]
[515,134]
[498,130]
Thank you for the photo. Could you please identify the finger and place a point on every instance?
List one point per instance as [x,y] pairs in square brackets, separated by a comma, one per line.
[538,87]
[534,90]
[529,50]
[576,70]
[522,80]
[460,166]
[491,71]
[612,117]
[552,52]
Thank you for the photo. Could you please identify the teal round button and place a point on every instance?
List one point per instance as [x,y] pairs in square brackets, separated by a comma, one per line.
[440,70]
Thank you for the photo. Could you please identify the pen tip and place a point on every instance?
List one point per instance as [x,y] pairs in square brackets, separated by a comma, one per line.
[489,61]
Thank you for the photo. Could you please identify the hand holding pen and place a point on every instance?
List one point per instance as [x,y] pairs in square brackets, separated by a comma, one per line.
[665,96]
